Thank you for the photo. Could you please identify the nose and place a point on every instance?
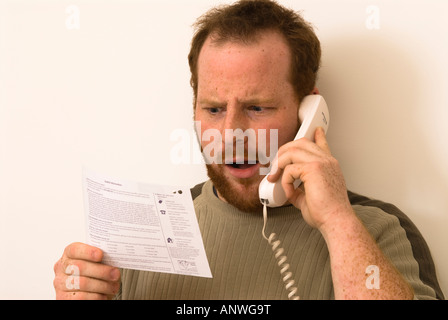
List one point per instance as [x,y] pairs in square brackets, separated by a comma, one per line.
[234,118]
[235,122]
[236,136]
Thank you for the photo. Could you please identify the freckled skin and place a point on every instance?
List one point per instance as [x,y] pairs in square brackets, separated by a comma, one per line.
[234,75]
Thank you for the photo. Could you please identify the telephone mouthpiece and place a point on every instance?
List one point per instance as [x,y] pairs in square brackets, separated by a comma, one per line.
[271,193]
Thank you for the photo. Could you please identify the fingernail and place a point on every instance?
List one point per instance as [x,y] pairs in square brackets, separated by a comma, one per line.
[96,255]
[115,274]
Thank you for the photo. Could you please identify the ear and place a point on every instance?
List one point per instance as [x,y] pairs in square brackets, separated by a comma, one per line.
[315,91]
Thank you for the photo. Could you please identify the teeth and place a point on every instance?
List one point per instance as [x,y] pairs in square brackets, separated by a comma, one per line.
[245,161]
[241,165]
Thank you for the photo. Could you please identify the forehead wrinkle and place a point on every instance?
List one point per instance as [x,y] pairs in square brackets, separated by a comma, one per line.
[227,73]
[254,84]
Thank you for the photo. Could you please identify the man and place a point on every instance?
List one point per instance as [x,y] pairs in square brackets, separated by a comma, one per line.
[252,63]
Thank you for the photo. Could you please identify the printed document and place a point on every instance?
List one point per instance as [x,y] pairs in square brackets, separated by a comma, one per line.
[143,226]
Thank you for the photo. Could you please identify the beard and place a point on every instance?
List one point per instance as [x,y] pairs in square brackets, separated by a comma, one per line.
[241,193]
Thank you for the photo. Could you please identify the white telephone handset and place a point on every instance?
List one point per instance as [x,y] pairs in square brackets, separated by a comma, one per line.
[313,113]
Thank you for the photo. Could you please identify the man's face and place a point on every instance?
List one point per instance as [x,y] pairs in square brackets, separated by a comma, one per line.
[245,86]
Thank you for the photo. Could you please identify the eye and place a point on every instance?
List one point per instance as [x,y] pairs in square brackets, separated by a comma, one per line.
[256,108]
[213,110]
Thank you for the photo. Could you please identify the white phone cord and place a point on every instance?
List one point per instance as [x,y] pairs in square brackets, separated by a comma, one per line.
[281,259]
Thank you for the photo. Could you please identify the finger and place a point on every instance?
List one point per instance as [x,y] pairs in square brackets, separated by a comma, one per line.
[98,286]
[320,143]
[275,171]
[321,140]
[295,155]
[91,269]
[290,175]
[82,251]
[80,296]
[86,268]
[282,159]
[64,283]
[298,151]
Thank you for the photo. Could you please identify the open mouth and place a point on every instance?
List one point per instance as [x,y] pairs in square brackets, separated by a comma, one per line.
[242,166]
[243,170]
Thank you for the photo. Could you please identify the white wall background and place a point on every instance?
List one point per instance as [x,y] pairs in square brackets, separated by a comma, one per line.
[108,95]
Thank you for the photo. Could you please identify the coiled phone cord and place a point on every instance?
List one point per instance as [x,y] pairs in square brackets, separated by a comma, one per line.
[281,259]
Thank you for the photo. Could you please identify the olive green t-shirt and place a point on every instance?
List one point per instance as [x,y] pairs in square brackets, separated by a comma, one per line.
[243,263]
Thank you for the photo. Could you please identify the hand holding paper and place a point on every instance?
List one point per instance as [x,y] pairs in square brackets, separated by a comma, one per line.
[144,227]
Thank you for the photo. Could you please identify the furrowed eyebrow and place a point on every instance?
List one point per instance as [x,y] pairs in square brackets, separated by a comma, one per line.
[211,103]
[255,101]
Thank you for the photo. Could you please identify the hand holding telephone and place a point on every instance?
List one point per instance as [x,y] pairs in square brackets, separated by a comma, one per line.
[313,113]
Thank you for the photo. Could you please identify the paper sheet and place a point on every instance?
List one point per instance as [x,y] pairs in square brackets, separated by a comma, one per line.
[143,226]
